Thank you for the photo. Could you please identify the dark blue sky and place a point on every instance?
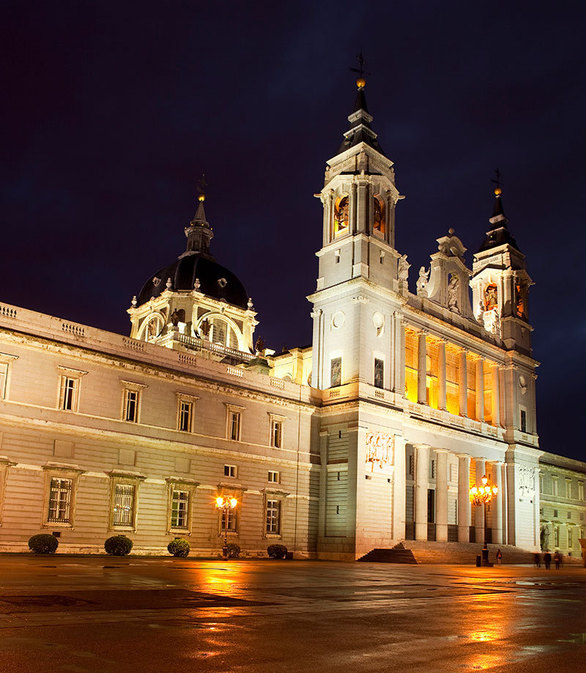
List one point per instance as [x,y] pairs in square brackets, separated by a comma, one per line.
[112,110]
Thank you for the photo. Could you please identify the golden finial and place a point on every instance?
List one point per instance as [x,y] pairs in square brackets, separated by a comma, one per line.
[201,188]
[361,82]
[497,181]
[498,191]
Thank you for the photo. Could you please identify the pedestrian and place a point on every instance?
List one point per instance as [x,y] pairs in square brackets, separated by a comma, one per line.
[537,560]
[557,559]
[499,557]
[547,560]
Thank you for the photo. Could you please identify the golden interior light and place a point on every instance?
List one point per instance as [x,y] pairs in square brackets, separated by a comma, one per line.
[219,501]
[484,480]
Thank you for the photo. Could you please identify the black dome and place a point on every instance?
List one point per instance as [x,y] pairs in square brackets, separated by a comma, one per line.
[214,280]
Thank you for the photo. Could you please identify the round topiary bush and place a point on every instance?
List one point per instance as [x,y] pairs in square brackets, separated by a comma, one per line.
[277,551]
[44,543]
[179,547]
[118,545]
[233,550]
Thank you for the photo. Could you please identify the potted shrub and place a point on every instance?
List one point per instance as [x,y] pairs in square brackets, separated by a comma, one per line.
[179,547]
[233,550]
[44,543]
[118,545]
[277,551]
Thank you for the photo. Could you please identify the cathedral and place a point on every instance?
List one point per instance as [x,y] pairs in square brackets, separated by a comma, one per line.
[370,439]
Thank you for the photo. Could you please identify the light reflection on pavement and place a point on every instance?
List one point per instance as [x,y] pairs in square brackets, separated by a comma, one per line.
[97,614]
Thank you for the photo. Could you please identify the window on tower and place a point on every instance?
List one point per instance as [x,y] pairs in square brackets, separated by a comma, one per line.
[490,297]
[341,210]
[378,225]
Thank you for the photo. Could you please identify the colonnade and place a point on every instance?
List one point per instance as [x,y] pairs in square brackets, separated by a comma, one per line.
[469,472]
[476,379]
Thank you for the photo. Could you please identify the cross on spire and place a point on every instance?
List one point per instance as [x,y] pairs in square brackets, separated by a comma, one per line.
[201,187]
[497,180]
[361,81]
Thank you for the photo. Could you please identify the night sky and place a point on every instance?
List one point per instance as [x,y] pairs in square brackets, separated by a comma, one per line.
[112,110]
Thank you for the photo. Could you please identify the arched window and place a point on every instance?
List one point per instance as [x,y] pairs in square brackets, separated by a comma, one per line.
[341,212]
[218,331]
[152,328]
[378,225]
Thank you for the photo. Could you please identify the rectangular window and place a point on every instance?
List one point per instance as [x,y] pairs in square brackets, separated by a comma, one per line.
[131,401]
[557,536]
[541,482]
[379,373]
[179,508]
[570,538]
[185,416]
[411,465]
[523,420]
[234,425]
[273,477]
[3,379]
[569,515]
[276,433]
[335,372]
[60,501]
[123,514]
[68,393]
[568,488]
[580,490]
[228,522]
[273,517]
[555,513]
[230,471]
[554,486]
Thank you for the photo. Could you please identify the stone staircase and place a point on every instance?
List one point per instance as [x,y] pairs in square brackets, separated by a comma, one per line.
[398,554]
[453,553]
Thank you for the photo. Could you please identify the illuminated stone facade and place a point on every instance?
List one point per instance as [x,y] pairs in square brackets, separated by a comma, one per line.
[371,437]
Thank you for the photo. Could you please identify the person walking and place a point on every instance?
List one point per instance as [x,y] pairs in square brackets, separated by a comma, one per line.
[547,560]
[537,560]
[499,557]
[557,559]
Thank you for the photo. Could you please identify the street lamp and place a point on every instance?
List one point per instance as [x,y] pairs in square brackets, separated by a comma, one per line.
[226,504]
[482,495]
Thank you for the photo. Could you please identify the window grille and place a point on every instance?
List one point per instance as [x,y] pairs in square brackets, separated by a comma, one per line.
[124,505]
[179,508]
[234,425]
[60,501]
[276,433]
[273,517]
[69,393]
[228,521]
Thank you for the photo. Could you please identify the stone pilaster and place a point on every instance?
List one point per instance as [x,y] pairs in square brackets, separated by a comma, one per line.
[463,384]
[463,498]
[497,505]
[479,509]
[441,375]
[441,495]
[480,389]
[422,368]
[421,486]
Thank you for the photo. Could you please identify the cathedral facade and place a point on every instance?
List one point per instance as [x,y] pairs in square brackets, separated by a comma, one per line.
[369,439]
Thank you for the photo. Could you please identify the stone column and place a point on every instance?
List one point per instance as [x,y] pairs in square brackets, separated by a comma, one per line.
[497,505]
[441,375]
[398,362]
[496,420]
[399,489]
[441,495]
[480,389]
[463,498]
[463,384]
[362,209]
[328,216]
[479,509]
[421,486]
[353,208]
[422,369]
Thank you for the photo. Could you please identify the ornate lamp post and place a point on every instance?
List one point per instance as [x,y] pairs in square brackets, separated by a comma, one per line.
[225,504]
[482,495]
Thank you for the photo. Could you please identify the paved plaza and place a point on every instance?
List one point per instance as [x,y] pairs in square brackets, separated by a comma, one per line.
[145,615]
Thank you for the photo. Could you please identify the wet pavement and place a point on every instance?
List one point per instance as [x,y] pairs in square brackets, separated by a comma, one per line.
[155,615]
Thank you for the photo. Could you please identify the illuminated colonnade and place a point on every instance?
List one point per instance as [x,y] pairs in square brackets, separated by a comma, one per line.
[444,376]
[440,481]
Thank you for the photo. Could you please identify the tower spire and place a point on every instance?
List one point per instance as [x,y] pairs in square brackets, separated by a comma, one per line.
[198,232]
[360,119]
[498,234]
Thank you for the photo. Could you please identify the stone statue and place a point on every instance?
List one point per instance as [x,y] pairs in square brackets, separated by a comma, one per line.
[403,271]
[422,282]
[453,288]
[259,346]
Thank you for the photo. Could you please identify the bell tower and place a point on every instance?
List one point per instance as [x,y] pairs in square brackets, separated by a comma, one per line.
[361,275]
